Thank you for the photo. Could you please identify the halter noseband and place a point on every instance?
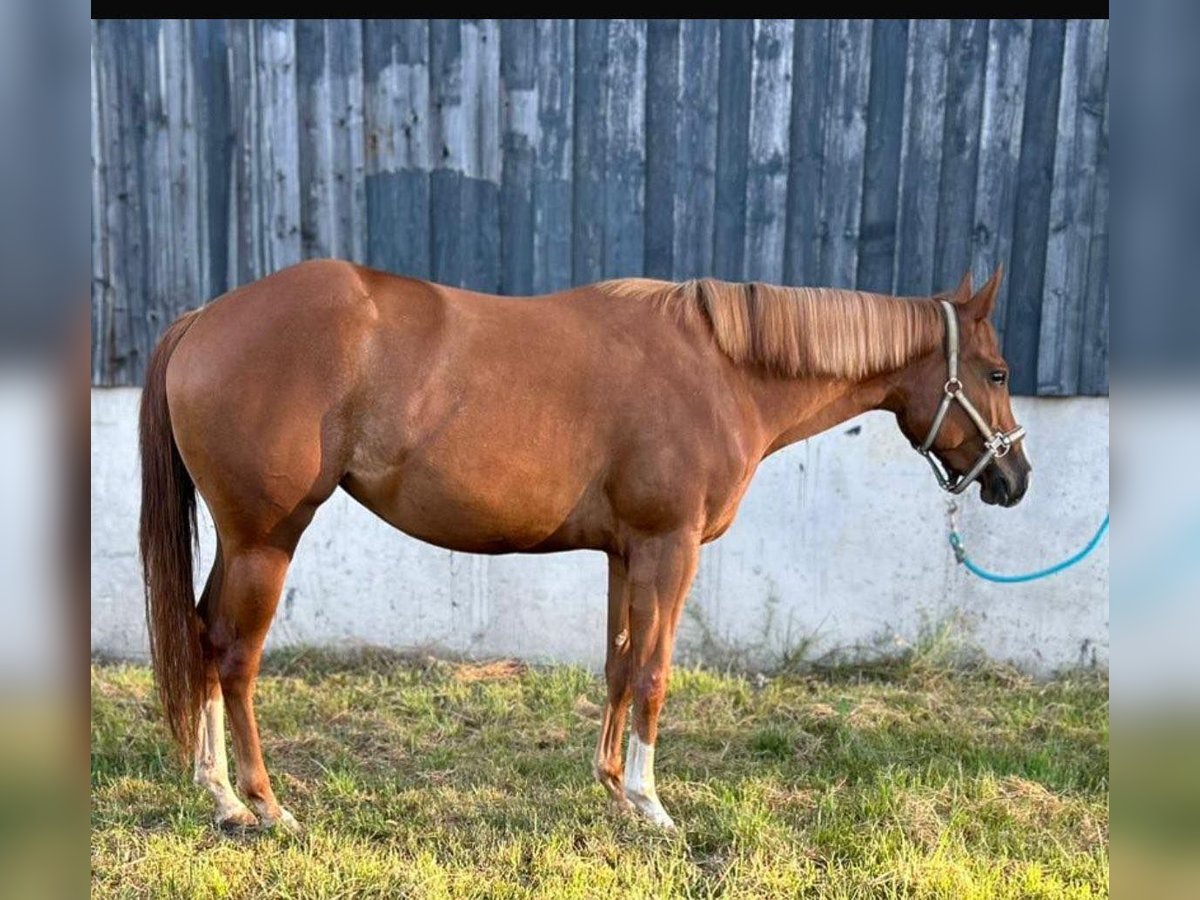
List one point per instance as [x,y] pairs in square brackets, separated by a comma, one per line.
[996,443]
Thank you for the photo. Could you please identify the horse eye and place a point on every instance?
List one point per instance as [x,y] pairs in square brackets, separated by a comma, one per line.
[999,376]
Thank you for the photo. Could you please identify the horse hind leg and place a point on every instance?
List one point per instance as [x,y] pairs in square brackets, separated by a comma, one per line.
[211,770]
[253,580]
[212,764]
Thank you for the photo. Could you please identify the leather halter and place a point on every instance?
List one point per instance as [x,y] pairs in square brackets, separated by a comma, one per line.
[996,443]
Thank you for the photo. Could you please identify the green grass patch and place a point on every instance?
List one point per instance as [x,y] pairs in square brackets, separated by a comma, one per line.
[423,778]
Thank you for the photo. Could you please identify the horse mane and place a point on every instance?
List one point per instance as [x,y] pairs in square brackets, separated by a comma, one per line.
[800,331]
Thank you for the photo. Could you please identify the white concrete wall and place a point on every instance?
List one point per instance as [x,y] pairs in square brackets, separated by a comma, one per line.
[840,543]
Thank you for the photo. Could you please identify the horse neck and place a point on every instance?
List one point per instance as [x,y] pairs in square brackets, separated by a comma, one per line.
[793,409]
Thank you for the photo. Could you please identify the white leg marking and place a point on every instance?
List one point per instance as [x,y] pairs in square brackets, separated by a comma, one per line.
[212,765]
[639,782]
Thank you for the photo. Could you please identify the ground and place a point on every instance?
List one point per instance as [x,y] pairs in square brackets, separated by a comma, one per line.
[425,778]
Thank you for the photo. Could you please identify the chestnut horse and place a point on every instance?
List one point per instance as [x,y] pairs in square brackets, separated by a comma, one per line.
[626,417]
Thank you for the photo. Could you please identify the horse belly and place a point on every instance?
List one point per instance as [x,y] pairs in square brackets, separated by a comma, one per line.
[467,508]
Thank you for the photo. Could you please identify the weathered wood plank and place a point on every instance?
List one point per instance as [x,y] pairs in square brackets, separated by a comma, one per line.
[662,143]
[1081,105]
[590,153]
[1093,359]
[479,228]
[804,236]
[121,51]
[999,154]
[960,151]
[881,164]
[246,233]
[315,153]
[210,71]
[625,149]
[398,145]
[696,150]
[278,148]
[347,170]
[449,150]
[921,156]
[518,79]
[845,150]
[1031,222]
[767,168]
[733,125]
[183,245]
[554,164]
[150,319]
[103,162]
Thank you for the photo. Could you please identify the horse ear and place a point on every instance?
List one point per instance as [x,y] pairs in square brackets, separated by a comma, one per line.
[962,293]
[980,306]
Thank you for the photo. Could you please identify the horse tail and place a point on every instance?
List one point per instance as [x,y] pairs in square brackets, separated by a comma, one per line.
[167,541]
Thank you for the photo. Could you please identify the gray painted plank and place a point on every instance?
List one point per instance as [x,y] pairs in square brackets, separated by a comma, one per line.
[1093,359]
[101,285]
[845,150]
[999,154]
[246,234]
[921,156]
[315,153]
[960,151]
[128,235]
[479,228]
[210,70]
[733,123]
[149,320]
[397,146]
[277,148]
[805,231]
[767,167]
[662,143]
[518,79]
[881,165]
[590,154]
[696,148]
[347,152]
[183,245]
[1072,193]
[1031,223]
[449,150]
[554,164]
[625,149]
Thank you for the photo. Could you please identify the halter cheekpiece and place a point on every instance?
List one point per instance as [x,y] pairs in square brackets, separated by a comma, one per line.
[996,443]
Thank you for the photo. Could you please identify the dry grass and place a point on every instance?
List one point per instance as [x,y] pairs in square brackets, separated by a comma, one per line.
[417,777]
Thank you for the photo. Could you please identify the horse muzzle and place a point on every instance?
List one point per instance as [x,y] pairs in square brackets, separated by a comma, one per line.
[1000,486]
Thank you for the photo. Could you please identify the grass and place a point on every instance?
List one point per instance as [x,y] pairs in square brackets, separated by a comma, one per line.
[434,779]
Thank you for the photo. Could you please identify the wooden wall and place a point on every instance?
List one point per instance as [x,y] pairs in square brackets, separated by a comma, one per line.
[525,156]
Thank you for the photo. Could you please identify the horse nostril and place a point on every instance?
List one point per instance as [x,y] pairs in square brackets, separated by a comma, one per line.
[1000,488]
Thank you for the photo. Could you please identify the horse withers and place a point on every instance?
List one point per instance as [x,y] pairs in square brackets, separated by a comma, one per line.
[627,417]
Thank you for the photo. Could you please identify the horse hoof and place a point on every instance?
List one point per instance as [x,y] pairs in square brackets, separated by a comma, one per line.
[282,820]
[652,811]
[237,820]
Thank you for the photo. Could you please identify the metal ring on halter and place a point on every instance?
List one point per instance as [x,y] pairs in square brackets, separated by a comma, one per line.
[958,386]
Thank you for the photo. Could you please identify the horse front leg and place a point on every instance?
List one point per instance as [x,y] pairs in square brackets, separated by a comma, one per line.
[657,574]
[607,763]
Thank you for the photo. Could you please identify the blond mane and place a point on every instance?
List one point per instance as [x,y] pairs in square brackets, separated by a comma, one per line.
[801,331]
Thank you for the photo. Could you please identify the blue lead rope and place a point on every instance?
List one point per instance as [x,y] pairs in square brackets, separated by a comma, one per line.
[960,553]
